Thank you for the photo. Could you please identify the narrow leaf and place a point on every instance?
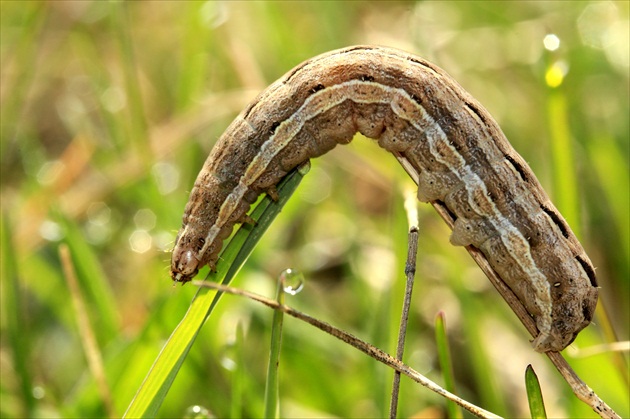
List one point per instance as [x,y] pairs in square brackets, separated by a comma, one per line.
[153,390]
[534,395]
[446,364]
[271,388]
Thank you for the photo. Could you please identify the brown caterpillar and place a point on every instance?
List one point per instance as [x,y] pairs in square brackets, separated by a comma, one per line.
[413,108]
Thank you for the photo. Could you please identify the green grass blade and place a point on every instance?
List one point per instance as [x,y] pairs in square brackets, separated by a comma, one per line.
[16,84]
[120,24]
[238,381]
[611,168]
[446,365]
[534,394]
[93,281]
[271,388]
[565,182]
[153,390]
[14,319]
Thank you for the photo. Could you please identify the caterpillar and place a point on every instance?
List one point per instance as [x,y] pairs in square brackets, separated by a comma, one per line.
[416,110]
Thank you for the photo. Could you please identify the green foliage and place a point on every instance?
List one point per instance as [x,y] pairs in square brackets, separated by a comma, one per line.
[109,109]
[151,394]
[534,394]
[446,364]
[271,386]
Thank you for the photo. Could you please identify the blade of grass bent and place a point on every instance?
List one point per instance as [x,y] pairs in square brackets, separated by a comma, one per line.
[153,390]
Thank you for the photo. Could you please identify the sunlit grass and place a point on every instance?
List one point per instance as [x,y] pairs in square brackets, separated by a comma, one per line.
[108,110]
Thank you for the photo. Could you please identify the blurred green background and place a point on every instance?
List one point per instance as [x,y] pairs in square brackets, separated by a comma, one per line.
[109,110]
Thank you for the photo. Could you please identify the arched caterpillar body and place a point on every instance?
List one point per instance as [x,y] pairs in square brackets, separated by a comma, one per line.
[413,108]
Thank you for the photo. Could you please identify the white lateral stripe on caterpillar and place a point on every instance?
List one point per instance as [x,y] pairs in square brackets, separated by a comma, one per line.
[335,95]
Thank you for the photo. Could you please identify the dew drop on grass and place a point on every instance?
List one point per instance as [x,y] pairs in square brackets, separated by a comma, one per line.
[292,281]
[198,412]
[228,357]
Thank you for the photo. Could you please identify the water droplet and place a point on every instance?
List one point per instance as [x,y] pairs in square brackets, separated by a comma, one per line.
[198,412]
[292,281]
[228,356]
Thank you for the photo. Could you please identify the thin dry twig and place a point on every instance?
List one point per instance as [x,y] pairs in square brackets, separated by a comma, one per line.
[410,273]
[357,343]
[580,389]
